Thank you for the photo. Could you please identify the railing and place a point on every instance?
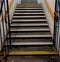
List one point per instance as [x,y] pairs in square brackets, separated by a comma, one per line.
[5,27]
[56,24]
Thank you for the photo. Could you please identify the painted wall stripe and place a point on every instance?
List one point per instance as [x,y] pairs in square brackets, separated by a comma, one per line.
[10,5]
[50,9]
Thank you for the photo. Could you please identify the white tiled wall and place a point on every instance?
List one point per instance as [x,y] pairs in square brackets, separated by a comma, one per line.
[13,7]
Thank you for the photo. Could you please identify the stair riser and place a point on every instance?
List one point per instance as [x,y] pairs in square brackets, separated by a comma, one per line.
[32,33]
[28,26]
[29,11]
[28,7]
[30,18]
[31,28]
[29,14]
[27,21]
[30,37]
[32,48]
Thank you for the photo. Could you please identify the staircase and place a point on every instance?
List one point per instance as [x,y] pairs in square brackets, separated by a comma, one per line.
[30,32]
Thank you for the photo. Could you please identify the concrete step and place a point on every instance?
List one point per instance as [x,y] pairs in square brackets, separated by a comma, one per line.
[41,41]
[29,17]
[44,53]
[31,36]
[29,14]
[29,11]
[32,14]
[32,43]
[28,20]
[31,33]
[28,8]
[33,50]
[30,29]
[28,24]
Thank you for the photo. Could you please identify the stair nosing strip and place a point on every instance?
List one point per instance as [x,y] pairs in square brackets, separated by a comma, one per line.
[32,43]
[27,16]
[25,36]
[28,13]
[30,29]
[29,24]
[34,53]
[31,20]
[29,10]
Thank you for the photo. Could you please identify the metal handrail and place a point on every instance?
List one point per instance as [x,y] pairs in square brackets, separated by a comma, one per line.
[5,24]
[56,24]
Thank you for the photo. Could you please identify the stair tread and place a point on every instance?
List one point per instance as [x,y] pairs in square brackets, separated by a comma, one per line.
[36,6]
[32,43]
[16,29]
[29,24]
[29,20]
[33,40]
[41,11]
[31,28]
[27,16]
[29,5]
[32,50]
[32,14]
[28,13]
[27,36]
[28,8]
[31,33]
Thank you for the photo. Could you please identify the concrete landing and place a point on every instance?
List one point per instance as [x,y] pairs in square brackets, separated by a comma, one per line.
[28,1]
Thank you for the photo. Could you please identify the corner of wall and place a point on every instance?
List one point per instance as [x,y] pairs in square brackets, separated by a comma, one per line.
[49,18]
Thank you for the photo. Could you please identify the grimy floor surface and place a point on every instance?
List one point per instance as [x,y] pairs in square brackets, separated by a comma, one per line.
[30,59]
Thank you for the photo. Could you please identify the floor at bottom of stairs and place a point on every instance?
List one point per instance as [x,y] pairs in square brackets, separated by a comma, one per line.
[30,59]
